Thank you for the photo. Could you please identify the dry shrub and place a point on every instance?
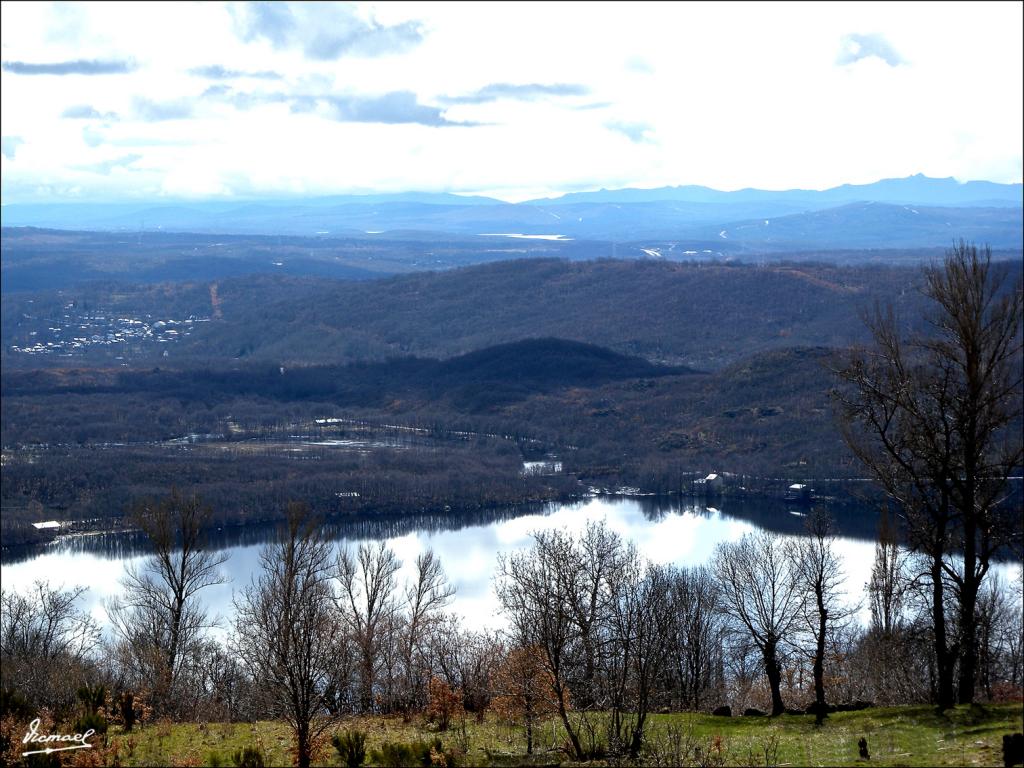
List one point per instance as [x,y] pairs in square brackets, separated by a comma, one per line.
[444,704]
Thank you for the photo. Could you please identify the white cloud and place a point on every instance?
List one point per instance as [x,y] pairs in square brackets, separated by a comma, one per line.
[856,47]
[726,95]
[10,145]
[324,30]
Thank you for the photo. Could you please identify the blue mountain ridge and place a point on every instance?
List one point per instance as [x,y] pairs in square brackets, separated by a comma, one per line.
[916,211]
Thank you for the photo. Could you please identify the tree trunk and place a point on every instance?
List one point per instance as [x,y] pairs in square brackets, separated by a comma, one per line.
[367,681]
[302,755]
[968,649]
[985,653]
[774,672]
[819,664]
[943,657]
[585,695]
[638,736]
[573,736]
[968,617]
[695,676]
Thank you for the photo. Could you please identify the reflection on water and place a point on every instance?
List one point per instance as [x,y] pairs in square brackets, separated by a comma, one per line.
[855,522]
[467,544]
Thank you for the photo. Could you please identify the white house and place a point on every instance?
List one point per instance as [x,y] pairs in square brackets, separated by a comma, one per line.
[798,492]
[713,483]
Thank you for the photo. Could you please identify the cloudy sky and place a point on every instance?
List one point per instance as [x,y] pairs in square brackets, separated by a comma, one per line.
[202,100]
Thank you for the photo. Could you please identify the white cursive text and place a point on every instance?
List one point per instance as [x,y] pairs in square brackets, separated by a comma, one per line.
[77,740]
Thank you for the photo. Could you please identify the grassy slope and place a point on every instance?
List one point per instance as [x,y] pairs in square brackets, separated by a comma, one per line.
[911,736]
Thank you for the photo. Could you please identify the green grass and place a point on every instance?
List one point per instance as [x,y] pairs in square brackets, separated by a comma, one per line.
[910,736]
[898,736]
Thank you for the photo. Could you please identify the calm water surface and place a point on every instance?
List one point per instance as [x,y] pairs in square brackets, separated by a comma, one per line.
[679,533]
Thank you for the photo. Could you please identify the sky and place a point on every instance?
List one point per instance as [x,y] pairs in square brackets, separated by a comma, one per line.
[103,102]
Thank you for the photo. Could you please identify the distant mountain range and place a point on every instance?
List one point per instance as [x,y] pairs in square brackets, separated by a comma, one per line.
[915,212]
[912,190]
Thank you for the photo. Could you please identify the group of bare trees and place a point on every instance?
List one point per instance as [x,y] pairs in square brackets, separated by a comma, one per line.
[936,419]
[389,631]
[47,644]
[315,635]
[593,614]
[695,663]
[323,635]
[894,656]
[597,637]
[617,637]
[611,637]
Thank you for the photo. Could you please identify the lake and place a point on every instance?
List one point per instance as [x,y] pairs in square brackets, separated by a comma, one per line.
[680,532]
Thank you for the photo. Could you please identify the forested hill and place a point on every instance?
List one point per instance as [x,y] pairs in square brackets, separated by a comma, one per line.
[702,315]
[482,379]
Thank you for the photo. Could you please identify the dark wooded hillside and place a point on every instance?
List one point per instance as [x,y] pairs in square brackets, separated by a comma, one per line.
[702,315]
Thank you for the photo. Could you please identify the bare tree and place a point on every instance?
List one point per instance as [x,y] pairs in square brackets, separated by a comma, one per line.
[999,638]
[367,603]
[695,640]
[593,560]
[933,420]
[888,581]
[45,624]
[531,587]
[637,635]
[821,577]
[285,627]
[159,616]
[466,660]
[426,597]
[228,690]
[884,640]
[874,414]
[46,643]
[762,594]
